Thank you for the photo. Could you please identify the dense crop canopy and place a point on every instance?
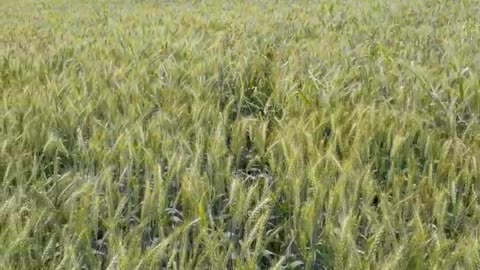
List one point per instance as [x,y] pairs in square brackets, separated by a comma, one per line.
[240,134]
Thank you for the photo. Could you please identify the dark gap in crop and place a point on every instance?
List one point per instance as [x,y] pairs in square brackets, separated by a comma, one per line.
[55,164]
[327,133]
[60,61]
[375,201]
[251,92]
[265,262]
[218,208]
[249,163]
[323,257]
[190,242]
[150,236]
[100,246]
[380,155]
[417,148]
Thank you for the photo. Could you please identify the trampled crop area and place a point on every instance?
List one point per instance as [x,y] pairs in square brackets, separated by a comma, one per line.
[240,134]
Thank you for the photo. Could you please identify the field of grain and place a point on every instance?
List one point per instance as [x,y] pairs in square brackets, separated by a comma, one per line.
[240,134]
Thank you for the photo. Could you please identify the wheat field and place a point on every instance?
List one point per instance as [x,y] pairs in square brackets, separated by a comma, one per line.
[240,134]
